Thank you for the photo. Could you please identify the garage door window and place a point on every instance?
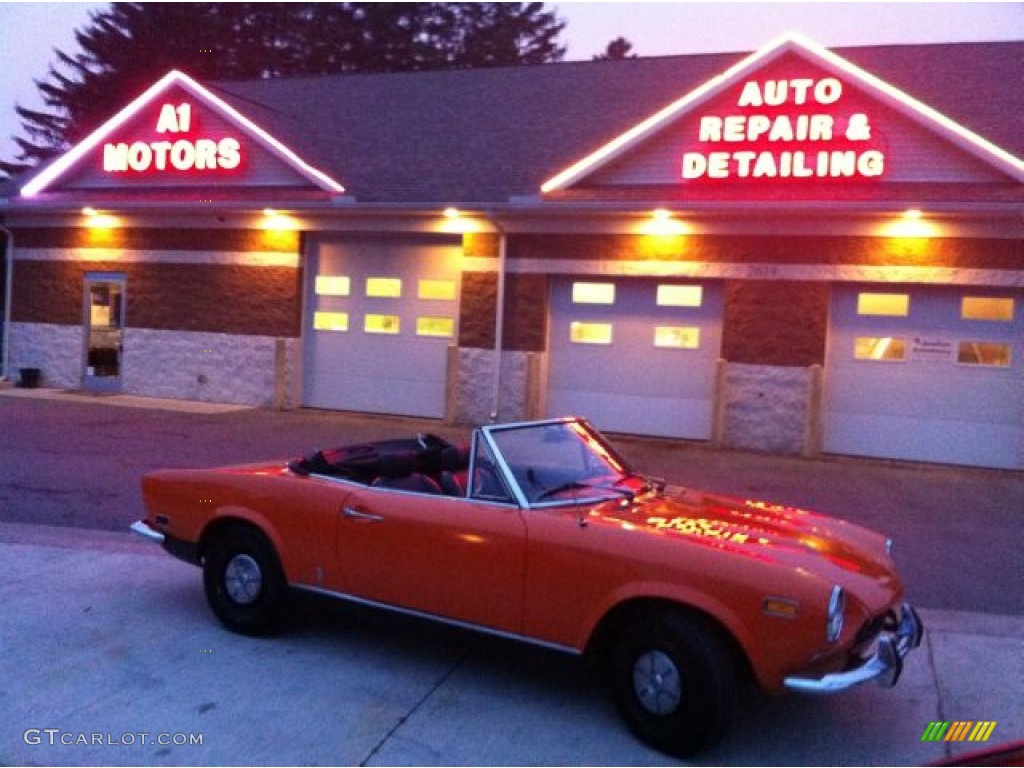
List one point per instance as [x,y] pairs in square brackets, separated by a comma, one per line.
[330,321]
[986,308]
[440,327]
[384,287]
[883,304]
[879,348]
[590,333]
[677,337]
[333,285]
[985,353]
[593,293]
[680,295]
[437,290]
[388,324]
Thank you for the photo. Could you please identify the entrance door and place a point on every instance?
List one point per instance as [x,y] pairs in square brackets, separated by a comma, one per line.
[104,328]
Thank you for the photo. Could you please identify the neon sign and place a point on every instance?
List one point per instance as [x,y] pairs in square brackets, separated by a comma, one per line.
[181,154]
[787,129]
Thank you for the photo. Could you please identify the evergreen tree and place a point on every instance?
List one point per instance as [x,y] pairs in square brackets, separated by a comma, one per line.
[129,46]
[617,49]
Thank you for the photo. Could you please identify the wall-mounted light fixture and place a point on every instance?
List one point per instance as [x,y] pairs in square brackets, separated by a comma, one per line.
[662,222]
[911,223]
[95,219]
[457,222]
[277,221]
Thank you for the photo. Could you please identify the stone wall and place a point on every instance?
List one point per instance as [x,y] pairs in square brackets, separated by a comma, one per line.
[209,367]
[767,408]
[56,350]
[472,401]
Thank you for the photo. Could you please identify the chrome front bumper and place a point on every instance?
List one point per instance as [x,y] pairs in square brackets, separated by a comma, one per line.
[884,666]
[143,530]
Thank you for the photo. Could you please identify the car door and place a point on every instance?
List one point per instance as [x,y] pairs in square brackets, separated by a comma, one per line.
[459,558]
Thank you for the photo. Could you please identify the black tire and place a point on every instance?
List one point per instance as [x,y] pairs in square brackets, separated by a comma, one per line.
[244,581]
[674,681]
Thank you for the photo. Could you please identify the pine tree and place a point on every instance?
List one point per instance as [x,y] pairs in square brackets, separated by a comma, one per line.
[618,49]
[127,47]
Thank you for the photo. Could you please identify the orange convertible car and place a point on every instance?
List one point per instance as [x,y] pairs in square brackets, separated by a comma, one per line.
[542,531]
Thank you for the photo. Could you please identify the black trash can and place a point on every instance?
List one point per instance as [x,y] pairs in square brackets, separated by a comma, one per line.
[30,378]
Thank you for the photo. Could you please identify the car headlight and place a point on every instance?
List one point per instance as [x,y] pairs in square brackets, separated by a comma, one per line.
[836,608]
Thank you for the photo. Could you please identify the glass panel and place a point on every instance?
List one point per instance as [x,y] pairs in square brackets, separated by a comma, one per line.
[381,324]
[442,290]
[593,293]
[680,295]
[879,348]
[677,337]
[560,462]
[986,353]
[333,285]
[486,480]
[103,358]
[330,321]
[984,308]
[384,287]
[443,327]
[590,333]
[890,304]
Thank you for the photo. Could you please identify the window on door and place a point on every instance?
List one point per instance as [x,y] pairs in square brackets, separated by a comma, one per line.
[104,324]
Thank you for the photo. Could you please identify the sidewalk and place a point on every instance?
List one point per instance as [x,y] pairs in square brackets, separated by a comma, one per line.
[123,401]
[104,634]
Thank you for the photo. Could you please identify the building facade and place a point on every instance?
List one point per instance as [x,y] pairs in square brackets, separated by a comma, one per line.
[798,251]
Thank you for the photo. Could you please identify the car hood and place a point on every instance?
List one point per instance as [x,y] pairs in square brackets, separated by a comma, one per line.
[755,529]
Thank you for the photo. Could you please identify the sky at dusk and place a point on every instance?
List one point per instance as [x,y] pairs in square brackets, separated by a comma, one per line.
[29,32]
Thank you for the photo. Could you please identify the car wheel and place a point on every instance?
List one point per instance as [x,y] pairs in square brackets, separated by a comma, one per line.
[244,582]
[674,682]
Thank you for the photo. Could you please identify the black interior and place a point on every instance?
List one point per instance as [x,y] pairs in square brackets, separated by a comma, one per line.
[424,464]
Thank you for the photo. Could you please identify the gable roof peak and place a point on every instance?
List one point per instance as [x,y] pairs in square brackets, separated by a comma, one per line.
[63,165]
[791,42]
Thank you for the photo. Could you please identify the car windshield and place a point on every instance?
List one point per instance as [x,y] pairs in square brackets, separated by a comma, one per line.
[563,462]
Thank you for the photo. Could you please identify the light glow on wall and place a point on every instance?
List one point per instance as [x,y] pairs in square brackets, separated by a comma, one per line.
[911,224]
[275,221]
[662,223]
[96,220]
[455,222]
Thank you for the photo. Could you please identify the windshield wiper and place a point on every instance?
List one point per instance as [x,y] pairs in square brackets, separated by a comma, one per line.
[573,485]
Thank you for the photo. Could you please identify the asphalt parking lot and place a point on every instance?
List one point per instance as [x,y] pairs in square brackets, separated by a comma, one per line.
[108,639]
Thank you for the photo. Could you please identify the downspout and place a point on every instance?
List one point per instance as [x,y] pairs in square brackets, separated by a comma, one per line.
[8,292]
[499,320]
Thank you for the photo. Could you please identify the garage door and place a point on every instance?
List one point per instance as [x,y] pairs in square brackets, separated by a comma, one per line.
[380,318]
[926,375]
[635,355]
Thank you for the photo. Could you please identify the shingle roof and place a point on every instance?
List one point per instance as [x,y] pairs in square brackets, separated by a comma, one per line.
[486,135]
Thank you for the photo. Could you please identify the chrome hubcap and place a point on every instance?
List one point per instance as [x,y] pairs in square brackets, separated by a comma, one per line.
[243,579]
[657,683]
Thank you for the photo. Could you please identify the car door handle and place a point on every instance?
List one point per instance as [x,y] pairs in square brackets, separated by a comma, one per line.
[356,514]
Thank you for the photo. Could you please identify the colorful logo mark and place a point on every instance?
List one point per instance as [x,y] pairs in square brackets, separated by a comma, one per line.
[959,730]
